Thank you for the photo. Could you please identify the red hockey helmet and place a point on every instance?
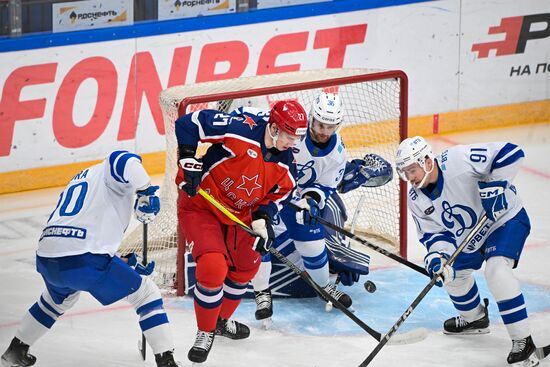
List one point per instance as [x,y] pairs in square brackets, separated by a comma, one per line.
[289,116]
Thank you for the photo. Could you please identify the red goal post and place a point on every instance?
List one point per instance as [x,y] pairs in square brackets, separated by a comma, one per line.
[375,121]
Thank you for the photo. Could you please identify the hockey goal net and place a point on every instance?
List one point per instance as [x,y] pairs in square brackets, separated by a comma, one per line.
[375,121]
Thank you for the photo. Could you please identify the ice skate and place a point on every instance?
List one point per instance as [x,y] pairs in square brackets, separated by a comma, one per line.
[203,343]
[341,297]
[264,308]
[523,353]
[232,329]
[166,359]
[17,355]
[457,325]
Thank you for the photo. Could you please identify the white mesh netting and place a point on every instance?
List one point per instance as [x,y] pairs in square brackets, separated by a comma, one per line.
[373,123]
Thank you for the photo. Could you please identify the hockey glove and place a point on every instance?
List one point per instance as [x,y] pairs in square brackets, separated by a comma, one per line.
[493,198]
[309,213]
[348,278]
[371,171]
[435,267]
[261,224]
[147,204]
[133,260]
[189,175]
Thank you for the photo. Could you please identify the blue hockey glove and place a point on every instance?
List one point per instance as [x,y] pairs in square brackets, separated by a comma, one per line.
[493,198]
[349,277]
[434,262]
[147,204]
[189,175]
[309,213]
[371,171]
[134,262]
[261,224]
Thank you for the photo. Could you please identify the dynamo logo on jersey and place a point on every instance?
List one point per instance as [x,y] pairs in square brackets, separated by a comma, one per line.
[306,174]
[458,218]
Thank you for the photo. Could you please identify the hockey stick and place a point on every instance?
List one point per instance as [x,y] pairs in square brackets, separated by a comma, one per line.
[363,241]
[542,352]
[143,346]
[423,293]
[405,338]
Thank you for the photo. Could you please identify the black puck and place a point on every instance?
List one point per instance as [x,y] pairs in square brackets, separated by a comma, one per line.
[370,286]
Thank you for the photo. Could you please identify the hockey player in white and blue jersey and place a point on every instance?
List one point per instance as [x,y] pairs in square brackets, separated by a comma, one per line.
[449,194]
[77,252]
[321,161]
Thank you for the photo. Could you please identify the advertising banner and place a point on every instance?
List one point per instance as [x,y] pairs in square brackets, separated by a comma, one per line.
[80,15]
[504,53]
[69,104]
[263,4]
[173,9]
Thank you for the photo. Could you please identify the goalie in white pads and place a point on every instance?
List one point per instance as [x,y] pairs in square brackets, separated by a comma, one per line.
[76,253]
[321,164]
[449,194]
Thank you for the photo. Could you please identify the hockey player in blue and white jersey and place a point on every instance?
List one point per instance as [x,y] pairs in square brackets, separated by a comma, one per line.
[449,194]
[77,252]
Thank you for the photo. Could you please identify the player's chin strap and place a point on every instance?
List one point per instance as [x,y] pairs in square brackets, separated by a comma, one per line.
[424,292]
[405,338]
[421,184]
[275,137]
[363,241]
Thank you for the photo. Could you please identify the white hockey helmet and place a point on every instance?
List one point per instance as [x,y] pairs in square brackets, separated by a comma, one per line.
[413,150]
[327,109]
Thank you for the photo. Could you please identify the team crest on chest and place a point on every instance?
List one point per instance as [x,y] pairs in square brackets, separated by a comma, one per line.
[249,184]
[250,122]
[457,218]
[306,173]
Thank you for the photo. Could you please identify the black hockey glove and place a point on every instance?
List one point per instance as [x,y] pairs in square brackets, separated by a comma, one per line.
[189,175]
[348,278]
[261,224]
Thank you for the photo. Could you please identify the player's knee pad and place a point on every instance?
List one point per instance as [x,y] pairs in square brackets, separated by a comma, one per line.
[46,312]
[497,266]
[314,255]
[500,278]
[310,248]
[61,308]
[147,294]
[461,285]
[211,270]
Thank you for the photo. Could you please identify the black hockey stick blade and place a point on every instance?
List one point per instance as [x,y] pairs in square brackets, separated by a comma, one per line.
[542,352]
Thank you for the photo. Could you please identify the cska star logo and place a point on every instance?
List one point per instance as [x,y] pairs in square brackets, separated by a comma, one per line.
[249,184]
[250,122]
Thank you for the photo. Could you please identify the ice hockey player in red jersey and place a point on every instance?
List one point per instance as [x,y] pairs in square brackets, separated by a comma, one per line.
[250,170]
